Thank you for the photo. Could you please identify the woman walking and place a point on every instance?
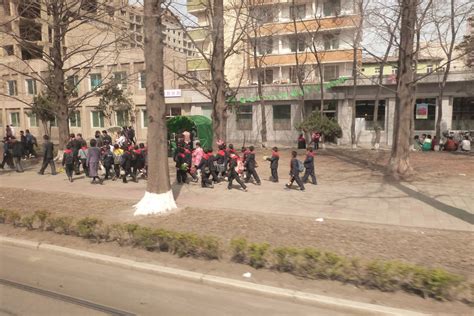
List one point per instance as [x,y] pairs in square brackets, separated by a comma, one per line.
[93,158]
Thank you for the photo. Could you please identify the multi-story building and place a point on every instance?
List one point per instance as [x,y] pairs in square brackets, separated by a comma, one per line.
[23,67]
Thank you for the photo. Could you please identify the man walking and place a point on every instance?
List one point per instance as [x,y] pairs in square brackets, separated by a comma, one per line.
[17,152]
[48,156]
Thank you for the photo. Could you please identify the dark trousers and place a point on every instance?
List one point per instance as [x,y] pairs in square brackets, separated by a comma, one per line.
[274,174]
[18,166]
[251,172]
[31,150]
[128,172]
[298,181]
[7,159]
[235,176]
[117,170]
[316,145]
[83,163]
[181,176]
[47,162]
[205,181]
[309,173]
[108,170]
[77,164]
[215,177]
[69,170]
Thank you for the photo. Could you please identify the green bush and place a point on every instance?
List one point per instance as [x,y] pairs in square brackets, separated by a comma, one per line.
[13,218]
[239,248]
[28,221]
[145,237]
[61,225]
[87,227]
[257,255]
[42,217]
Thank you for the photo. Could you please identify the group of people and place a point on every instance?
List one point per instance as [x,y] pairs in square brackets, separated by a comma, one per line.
[315,139]
[17,149]
[121,159]
[427,143]
[229,165]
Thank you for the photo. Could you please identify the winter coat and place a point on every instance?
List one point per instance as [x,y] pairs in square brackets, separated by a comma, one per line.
[274,160]
[93,158]
[17,149]
[309,161]
[48,150]
[250,161]
[294,170]
[68,157]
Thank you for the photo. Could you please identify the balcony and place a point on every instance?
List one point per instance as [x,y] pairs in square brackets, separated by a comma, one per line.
[314,25]
[198,34]
[197,64]
[308,58]
[196,6]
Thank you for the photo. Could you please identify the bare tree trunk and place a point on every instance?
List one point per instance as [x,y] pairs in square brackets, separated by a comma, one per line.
[263,130]
[399,160]
[158,197]
[219,113]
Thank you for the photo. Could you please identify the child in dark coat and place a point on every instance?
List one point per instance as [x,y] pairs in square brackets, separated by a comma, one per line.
[251,164]
[233,174]
[274,164]
[107,161]
[295,172]
[181,166]
[309,166]
[204,166]
[68,162]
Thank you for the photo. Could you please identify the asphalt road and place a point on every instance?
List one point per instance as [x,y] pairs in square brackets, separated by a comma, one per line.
[50,284]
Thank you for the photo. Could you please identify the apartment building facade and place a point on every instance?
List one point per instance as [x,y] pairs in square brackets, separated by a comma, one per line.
[22,71]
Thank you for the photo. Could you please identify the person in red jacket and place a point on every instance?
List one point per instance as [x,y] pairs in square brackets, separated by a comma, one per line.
[274,164]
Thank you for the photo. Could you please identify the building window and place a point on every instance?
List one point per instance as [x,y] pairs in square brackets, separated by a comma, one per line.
[377,70]
[268,76]
[31,86]
[175,111]
[54,123]
[281,117]
[244,117]
[96,81]
[33,120]
[365,109]
[332,7]
[141,80]
[265,45]
[120,79]
[394,70]
[297,44]
[122,118]
[9,50]
[463,114]
[331,72]
[15,119]
[429,69]
[12,87]
[331,42]
[298,11]
[75,119]
[297,74]
[144,118]
[97,119]
[425,114]
[72,84]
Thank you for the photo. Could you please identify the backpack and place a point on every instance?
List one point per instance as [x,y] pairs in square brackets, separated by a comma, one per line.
[300,166]
[68,159]
[117,159]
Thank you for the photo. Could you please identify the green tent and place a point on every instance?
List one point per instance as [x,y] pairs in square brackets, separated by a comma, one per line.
[202,124]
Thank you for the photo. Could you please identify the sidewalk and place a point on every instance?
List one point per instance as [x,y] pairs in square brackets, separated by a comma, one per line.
[346,191]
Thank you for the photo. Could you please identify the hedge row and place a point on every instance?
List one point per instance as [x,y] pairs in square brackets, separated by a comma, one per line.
[180,244]
[386,276]
[303,262]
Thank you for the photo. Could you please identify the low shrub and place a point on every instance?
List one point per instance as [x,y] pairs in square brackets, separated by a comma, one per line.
[239,248]
[42,217]
[28,221]
[3,216]
[13,218]
[253,254]
[61,225]
[87,227]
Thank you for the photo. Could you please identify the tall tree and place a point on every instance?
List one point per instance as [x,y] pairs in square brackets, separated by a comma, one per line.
[81,34]
[399,159]
[158,197]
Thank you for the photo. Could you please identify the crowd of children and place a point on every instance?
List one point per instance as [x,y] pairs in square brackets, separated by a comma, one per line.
[229,165]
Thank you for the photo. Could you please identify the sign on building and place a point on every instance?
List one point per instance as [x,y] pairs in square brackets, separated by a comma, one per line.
[422,111]
[175,93]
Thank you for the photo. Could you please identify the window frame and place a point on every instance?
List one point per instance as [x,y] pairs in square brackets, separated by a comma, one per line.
[15,87]
[281,124]
[91,87]
[101,119]
[18,122]
[369,117]
[244,118]
[34,86]
[77,120]
[32,117]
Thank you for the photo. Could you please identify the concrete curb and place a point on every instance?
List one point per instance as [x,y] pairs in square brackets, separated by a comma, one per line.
[214,280]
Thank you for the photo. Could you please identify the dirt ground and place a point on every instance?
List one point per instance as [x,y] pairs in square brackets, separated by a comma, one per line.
[430,247]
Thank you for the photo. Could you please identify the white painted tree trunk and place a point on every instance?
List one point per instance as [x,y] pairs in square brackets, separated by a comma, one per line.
[154,203]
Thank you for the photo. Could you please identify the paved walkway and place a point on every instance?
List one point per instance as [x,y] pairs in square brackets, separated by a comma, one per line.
[353,193]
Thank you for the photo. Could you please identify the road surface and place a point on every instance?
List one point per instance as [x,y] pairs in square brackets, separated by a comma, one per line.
[35,282]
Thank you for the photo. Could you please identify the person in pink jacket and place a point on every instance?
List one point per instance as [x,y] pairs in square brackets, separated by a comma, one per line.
[197,154]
